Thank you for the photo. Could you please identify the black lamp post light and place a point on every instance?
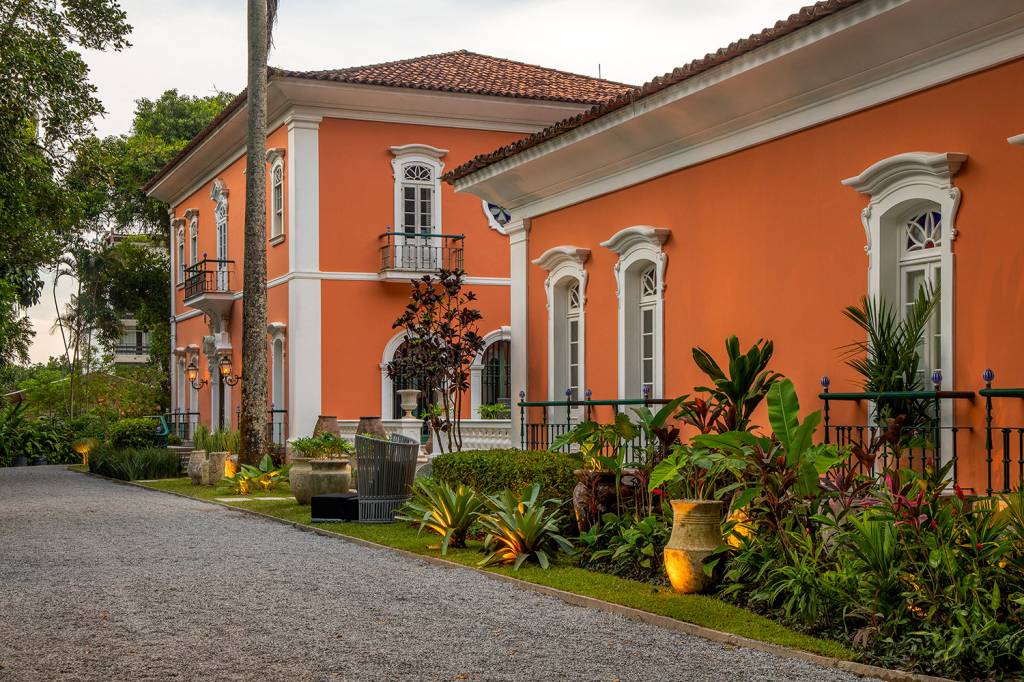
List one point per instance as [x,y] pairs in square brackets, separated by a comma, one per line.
[192,374]
[225,371]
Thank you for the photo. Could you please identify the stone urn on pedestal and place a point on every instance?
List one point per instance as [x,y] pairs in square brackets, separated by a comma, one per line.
[696,533]
[410,396]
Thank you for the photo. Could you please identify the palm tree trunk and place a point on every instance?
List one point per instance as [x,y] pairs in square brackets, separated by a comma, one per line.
[254,289]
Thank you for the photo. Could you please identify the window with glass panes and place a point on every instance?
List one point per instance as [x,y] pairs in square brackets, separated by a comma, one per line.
[648,303]
[417,198]
[920,239]
[181,255]
[277,199]
[573,345]
[193,241]
[497,377]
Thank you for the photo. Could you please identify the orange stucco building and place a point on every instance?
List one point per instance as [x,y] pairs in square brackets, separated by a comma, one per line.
[356,209]
[862,147]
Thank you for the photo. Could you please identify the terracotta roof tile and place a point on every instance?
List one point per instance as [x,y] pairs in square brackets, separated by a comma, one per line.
[472,73]
[460,72]
[803,17]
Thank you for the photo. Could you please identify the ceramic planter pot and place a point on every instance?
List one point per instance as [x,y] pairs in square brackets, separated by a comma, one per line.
[325,476]
[372,426]
[196,465]
[696,533]
[298,479]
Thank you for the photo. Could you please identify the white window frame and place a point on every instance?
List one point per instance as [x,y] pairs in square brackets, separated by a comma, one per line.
[411,155]
[639,247]
[898,187]
[192,216]
[476,370]
[181,255]
[564,264]
[275,157]
[219,194]
[387,386]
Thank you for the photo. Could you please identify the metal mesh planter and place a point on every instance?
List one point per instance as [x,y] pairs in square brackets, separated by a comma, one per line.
[385,469]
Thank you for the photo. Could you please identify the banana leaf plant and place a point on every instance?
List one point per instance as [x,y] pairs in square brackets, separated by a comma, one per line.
[738,389]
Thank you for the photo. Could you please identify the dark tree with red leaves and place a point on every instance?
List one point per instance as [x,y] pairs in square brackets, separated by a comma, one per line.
[443,342]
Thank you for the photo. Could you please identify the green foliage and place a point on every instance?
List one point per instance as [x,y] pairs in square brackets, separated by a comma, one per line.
[39,440]
[133,464]
[217,441]
[491,471]
[495,411]
[889,359]
[695,473]
[140,432]
[738,389]
[626,546]
[522,528]
[262,477]
[449,512]
[323,446]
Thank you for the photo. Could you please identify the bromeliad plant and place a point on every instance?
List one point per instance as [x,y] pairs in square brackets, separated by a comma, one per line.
[449,512]
[262,477]
[522,528]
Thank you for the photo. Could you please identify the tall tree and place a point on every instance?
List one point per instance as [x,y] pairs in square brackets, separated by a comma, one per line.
[46,105]
[253,417]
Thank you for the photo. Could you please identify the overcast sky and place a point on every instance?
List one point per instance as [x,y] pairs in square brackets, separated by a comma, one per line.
[198,46]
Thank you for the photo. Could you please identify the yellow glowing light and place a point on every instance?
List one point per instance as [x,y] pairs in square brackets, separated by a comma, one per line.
[230,468]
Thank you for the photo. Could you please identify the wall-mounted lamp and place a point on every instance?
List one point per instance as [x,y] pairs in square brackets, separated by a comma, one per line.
[192,374]
[225,371]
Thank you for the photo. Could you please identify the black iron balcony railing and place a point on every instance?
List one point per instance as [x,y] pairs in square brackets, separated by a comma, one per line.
[208,276]
[420,252]
[277,426]
[131,349]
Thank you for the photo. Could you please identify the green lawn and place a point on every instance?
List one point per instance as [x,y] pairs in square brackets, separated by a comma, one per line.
[700,610]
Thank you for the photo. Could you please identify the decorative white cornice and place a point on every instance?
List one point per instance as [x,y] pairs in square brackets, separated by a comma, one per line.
[180,351]
[1016,139]
[274,154]
[902,170]
[419,150]
[178,223]
[638,235]
[218,190]
[558,255]
[276,329]
[191,214]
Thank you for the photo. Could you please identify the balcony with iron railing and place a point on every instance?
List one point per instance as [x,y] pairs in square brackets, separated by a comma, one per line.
[207,285]
[408,255]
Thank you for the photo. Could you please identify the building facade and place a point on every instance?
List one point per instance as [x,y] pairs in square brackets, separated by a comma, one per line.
[859,148]
[356,209]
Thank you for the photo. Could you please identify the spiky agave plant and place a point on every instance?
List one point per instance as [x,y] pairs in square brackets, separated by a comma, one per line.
[522,528]
[449,512]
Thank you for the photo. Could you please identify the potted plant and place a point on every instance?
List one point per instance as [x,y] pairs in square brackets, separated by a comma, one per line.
[695,477]
[322,466]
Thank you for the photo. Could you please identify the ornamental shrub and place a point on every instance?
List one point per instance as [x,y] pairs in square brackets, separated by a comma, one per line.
[140,432]
[492,471]
[132,464]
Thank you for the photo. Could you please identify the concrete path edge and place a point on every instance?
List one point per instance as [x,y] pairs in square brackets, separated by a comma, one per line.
[861,669]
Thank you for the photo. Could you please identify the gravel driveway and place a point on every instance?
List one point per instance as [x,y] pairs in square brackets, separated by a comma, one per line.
[100,581]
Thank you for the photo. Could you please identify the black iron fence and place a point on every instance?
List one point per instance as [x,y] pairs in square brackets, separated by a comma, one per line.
[421,252]
[209,275]
[1004,445]
[182,424]
[277,426]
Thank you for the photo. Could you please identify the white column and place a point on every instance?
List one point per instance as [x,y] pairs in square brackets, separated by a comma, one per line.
[519,264]
[304,333]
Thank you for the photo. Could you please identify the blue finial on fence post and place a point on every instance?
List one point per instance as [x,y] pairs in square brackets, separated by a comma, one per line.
[825,383]
[522,420]
[587,393]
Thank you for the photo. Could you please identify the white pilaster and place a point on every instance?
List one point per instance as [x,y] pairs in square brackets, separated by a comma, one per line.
[304,322]
[519,268]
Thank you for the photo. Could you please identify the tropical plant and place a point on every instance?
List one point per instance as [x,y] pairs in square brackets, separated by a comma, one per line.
[133,464]
[323,446]
[216,441]
[449,512]
[738,389]
[695,473]
[632,548]
[495,411]
[263,477]
[657,435]
[889,359]
[522,528]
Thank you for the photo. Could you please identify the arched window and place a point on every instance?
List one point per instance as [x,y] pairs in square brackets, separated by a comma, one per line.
[497,376]
[639,279]
[417,171]
[278,410]
[277,199]
[572,358]
[920,267]
[193,241]
[219,194]
[181,254]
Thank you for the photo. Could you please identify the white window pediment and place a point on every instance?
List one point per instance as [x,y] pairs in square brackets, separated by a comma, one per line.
[565,288]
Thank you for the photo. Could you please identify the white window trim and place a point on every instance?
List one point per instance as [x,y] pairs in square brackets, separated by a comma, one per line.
[387,386]
[635,244]
[275,157]
[563,262]
[179,255]
[477,368]
[429,156]
[192,216]
[219,194]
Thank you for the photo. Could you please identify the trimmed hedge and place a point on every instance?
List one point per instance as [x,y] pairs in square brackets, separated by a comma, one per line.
[491,471]
[134,433]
